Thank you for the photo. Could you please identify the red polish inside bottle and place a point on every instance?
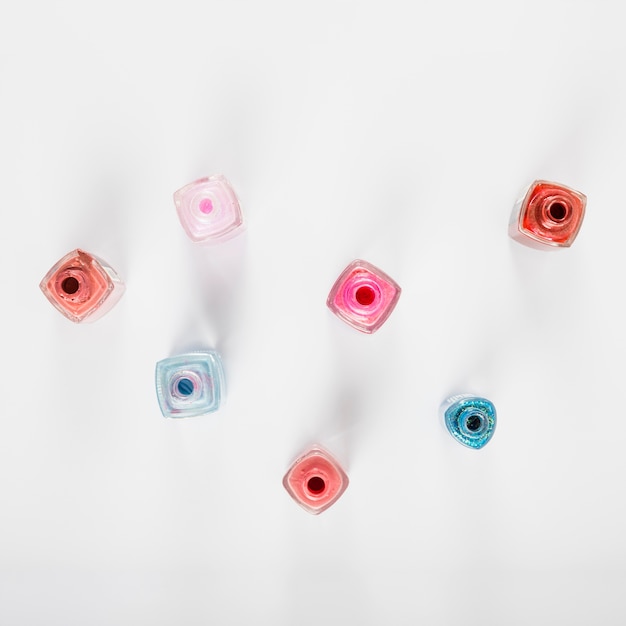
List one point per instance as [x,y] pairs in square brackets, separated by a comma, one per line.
[315,481]
[550,214]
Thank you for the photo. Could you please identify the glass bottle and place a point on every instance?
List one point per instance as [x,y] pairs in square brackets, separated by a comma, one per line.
[190,384]
[315,480]
[363,296]
[548,216]
[82,286]
[209,210]
[470,419]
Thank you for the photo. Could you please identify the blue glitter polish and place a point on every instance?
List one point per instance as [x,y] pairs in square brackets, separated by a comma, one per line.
[471,420]
[190,384]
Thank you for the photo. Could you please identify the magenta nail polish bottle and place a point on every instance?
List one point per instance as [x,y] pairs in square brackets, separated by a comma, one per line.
[82,287]
[316,480]
[548,216]
[209,210]
[363,296]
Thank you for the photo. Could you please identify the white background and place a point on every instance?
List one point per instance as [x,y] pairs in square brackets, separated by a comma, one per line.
[397,132]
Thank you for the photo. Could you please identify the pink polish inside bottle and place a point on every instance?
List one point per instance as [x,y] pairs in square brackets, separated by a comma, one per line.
[82,287]
[315,481]
[208,210]
[363,296]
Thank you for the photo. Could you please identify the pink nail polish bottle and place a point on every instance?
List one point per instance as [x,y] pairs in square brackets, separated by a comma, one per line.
[208,210]
[548,216]
[316,480]
[363,296]
[82,286]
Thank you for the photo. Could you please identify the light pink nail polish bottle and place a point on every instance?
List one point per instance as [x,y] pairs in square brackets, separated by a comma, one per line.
[208,210]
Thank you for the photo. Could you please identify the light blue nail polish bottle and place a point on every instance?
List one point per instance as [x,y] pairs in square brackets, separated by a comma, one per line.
[190,384]
[470,419]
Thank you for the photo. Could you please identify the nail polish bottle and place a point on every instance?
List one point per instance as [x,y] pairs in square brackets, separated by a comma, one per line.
[208,210]
[82,286]
[549,215]
[316,480]
[363,296]
[190,384]
[470,419]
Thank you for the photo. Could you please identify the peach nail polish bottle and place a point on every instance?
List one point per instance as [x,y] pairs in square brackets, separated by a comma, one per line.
[82,287]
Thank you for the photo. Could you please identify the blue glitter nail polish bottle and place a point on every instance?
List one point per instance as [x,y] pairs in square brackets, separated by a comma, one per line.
[470,419]
[190,384]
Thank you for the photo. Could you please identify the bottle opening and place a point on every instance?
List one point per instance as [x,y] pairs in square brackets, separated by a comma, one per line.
[474,423]
[365,295]
[316,485]
[206,206]
[184,387]
[70,285]
[557,211]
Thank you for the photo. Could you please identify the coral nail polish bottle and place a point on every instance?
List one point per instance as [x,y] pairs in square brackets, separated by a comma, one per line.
[82,286]
[548,216]
[190,384]
[209,210]
[363,296]
[316,480]
[470,419]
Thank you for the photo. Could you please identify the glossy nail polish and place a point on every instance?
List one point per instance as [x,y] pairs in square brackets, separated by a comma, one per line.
[548,216]
[315,481]
[190,384]
[471,420]
[363,296]
[208,210]
[82,286]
